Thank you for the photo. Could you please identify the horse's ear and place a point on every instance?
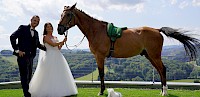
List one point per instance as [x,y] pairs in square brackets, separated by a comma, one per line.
[73,7]
[65,7]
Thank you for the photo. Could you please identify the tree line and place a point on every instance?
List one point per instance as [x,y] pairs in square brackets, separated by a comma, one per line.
[136,68]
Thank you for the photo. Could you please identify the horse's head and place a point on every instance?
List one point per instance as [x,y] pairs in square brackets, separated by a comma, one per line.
[67,19]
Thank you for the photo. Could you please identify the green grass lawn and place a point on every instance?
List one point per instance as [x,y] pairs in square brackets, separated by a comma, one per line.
[183,80]
[126,92]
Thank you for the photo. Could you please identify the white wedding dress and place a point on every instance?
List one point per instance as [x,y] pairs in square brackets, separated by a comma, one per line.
[52,77]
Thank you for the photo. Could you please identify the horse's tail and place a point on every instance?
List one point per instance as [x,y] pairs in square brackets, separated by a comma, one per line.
[191,44]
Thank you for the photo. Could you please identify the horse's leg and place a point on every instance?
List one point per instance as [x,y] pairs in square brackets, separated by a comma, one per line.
[100,63]
[158,64]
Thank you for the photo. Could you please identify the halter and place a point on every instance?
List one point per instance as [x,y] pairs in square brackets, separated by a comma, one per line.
[65,29]
[71,15]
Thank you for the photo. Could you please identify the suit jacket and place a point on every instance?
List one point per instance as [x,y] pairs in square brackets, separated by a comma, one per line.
[26,42]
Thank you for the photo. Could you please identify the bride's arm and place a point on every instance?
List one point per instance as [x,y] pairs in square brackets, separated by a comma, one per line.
[48,40]
[64,40]
[60,46]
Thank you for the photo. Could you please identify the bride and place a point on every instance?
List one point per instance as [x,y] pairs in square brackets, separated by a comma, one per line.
[52,77]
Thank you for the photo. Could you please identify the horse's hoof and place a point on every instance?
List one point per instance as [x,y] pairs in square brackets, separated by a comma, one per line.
[163,93]
[99,94]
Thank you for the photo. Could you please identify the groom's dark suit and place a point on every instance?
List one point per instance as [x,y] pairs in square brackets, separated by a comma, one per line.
[28,44]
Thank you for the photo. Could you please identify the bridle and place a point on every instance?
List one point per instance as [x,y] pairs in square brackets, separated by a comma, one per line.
[71,16]
[65,29]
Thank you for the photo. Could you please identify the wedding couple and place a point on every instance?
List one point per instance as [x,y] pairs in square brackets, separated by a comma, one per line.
[52,77]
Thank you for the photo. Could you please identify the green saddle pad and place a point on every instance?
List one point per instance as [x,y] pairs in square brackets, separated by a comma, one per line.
[114,32]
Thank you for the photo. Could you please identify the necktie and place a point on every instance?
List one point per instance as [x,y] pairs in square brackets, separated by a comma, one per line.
[32,32]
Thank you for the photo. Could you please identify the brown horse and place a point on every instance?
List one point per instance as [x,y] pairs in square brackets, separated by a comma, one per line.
[134,41]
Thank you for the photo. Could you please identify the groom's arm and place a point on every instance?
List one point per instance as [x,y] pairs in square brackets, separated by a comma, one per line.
[40,46]
[14,36]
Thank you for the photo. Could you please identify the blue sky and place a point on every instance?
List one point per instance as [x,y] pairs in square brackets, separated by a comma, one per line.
[182,14]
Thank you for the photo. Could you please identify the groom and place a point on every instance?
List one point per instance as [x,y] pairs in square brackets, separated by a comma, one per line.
[25,50]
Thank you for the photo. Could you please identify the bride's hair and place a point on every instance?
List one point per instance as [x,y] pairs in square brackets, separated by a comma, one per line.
[45,26]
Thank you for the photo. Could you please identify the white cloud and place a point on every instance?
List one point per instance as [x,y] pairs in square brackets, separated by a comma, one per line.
[44,8]
[96,16]
[102,5]
[2,30]
[196,31]
[138,7]
[183,4]
[3,18]
[196,2]
[173,2]
[4,36]
[5,47]
[49,10]
[13,8]
[24,8]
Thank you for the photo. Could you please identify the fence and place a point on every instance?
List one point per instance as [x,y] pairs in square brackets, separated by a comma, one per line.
[117,84]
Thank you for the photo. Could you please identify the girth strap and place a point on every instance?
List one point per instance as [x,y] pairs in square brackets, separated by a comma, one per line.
[111,49]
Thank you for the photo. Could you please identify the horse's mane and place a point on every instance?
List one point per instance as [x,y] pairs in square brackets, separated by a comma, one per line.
[90,16]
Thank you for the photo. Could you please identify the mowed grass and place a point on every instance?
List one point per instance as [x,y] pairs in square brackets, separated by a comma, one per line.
[11,93]
[184,80]
[126,92]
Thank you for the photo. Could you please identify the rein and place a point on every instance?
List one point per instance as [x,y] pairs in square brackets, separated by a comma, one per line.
[75,46]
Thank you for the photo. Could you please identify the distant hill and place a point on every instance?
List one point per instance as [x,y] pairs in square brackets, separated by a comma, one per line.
[82,63]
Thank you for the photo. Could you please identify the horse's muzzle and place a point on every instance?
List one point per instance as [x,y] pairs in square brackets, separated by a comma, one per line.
[61,29]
